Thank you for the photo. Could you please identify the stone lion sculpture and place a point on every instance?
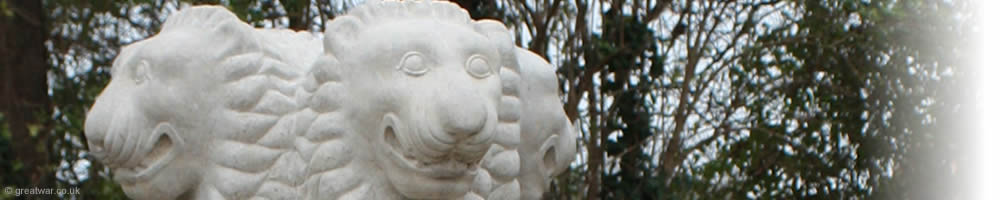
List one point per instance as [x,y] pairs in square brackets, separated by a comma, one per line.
[398,100]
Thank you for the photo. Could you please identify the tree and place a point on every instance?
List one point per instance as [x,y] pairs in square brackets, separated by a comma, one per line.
[773,99]
[23,99]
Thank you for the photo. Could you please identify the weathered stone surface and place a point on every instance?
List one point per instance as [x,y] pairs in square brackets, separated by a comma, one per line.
[397,100]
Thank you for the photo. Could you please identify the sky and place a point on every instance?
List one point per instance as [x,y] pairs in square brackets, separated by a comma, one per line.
[989,152]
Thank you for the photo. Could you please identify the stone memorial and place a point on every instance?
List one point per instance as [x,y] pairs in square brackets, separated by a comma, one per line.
[397,100]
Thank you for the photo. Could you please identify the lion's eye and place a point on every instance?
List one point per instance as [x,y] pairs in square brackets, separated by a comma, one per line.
[477,67]
[413,64]
[141,73]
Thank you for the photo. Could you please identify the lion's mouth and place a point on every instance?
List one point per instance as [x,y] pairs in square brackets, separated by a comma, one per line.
[134,160]
[444,167]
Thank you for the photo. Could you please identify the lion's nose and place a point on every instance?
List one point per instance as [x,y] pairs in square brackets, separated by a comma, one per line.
[97,124]
[464,120]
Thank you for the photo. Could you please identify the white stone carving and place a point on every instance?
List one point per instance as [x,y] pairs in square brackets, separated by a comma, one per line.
[398,100]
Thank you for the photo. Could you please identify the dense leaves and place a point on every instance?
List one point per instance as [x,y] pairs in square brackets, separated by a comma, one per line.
[761,99]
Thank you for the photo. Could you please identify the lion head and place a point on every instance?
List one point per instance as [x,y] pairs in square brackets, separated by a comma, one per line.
[426,86]
[179,98]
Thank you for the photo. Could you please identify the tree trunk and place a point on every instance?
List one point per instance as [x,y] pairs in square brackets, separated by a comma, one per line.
[298,15]
[24,100]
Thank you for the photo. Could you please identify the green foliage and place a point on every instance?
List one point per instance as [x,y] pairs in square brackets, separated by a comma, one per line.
[846,99]
[787,99]
[4,10]
[625,42]
[8,165]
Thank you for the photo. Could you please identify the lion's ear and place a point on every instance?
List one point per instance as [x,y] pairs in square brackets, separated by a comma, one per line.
[237,36]
[213,18]
[494,30]
[338,34]
[558,150]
